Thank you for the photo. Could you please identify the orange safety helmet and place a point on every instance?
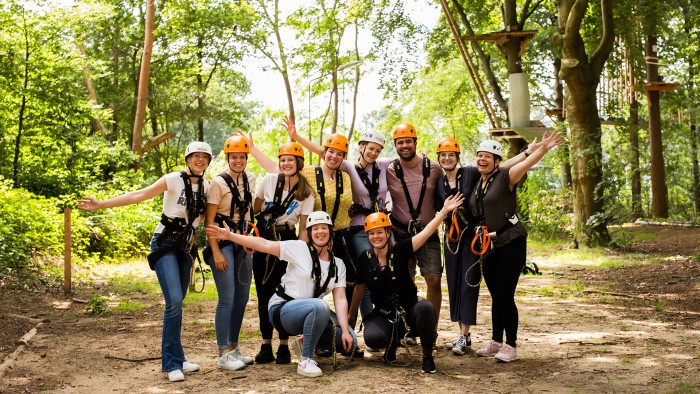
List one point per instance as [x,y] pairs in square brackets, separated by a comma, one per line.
[337,141]
[291,148]
[448,144]
[236,144]
[376,220]
[404,130]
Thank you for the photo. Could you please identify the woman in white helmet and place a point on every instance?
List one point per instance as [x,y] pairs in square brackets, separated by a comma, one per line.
[501,238]
[312,272]
[184,204]
[369,194]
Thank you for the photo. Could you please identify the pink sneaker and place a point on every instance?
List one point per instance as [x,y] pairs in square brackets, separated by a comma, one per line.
[491,348]
[507,354]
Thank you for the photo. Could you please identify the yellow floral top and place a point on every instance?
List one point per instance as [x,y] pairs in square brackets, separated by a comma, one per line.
[342,220]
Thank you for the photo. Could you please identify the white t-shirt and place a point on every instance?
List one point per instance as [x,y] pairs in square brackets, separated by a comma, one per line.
[266,192]
[297,281]
[175,201]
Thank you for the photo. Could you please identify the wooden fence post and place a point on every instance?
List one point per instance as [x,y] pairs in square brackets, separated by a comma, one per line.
[66,251]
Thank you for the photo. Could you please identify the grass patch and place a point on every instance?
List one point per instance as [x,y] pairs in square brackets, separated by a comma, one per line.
[209,293]
[129,283]
[682,388]
[127,306]
[572,289]
[627,360]
[659,305]
[558,255]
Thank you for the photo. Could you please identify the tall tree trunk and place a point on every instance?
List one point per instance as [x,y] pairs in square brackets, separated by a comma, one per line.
[356,86]
[689,28]
[200,90]
[22,109]
[565,166]
[97,125]
[334,94]
[659,192]
[137,133]
[582,75]
[696,172]
[635,173]
[115,86]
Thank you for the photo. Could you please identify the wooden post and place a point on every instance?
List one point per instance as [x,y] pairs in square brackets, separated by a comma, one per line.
[66,252]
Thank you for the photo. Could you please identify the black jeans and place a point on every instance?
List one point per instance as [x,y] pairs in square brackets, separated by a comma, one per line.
[502,270]
[421,319]
[268,271]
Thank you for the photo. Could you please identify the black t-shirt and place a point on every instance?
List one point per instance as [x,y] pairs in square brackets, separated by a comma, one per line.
[379,282]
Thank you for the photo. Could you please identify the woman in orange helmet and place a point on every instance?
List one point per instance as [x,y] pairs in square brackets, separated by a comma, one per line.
[283,199]
[384,270]
[230,201]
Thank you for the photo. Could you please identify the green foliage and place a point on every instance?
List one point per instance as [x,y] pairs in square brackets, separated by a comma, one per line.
[96,305]
[544,206]
[32,230]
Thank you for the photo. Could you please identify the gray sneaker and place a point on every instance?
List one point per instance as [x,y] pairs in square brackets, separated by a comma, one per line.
[230,362]
[460,347]
[239,355]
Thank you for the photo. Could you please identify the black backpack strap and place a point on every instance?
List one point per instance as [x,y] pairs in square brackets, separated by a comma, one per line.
[414,211]
[316,271]
[242,203]
[321,188]
[371,186]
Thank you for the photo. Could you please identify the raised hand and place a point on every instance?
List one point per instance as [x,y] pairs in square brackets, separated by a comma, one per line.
[288,124]
[453,202]
[248,136]
[552,140]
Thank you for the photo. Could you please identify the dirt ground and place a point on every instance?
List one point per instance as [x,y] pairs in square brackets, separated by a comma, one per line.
[634,328]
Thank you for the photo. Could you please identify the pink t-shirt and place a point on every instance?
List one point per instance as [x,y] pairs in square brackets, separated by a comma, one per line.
[359,191]
[414,178]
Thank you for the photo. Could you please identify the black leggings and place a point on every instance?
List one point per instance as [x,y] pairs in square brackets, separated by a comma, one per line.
[502,269]
[421,319]
[268,271]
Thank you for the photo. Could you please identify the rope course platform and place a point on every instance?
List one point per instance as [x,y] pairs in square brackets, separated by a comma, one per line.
[536,130]
[502,37]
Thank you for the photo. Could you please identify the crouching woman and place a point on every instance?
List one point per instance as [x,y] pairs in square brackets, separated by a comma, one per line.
[312,272]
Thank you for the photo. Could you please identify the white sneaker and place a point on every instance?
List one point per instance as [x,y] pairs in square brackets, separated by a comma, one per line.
[188,367]
[489,349]
[296,346]
[230,362]
[308,367]
[507,354]
[238,354]
[176,376]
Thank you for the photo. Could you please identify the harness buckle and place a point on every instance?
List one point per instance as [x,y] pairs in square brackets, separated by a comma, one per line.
[414,227]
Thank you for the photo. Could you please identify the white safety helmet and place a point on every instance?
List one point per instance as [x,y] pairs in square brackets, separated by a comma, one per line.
[318,217]
[372,136]
[197,146]
[491,146]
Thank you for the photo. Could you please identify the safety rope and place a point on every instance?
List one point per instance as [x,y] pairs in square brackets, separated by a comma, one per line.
[484,238]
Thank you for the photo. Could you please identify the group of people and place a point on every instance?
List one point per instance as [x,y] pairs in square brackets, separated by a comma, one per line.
[347,244]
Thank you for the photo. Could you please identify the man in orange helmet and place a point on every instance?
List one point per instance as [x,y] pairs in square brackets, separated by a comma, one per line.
[412,180]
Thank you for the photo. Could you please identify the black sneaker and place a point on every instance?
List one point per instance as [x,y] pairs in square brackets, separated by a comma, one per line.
[429,364]
[283,355]
[265,355]
[322,352]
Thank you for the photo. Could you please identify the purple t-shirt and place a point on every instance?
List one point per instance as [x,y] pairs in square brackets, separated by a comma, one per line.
[359,191]
[414,178]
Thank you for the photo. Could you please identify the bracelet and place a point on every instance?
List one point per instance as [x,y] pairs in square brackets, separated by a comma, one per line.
[526,154]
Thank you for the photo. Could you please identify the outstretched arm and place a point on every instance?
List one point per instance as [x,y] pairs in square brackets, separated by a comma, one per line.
[265,162]
[255,243]
[148,192]
[451,203]
[519,170]
[292,131]
[533,146]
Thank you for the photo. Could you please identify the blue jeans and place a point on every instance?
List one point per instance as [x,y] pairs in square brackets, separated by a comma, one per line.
[233,287]
[174,278]
[310,317]
[358,244]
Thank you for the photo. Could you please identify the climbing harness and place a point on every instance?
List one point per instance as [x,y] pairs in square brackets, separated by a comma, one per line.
[414,226]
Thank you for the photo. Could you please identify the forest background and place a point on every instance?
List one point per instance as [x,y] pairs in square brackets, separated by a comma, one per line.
[75,119]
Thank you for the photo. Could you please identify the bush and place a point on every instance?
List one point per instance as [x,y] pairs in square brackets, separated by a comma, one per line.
[32,228]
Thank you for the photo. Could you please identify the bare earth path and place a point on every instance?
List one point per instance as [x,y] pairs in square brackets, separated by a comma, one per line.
[629,328]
